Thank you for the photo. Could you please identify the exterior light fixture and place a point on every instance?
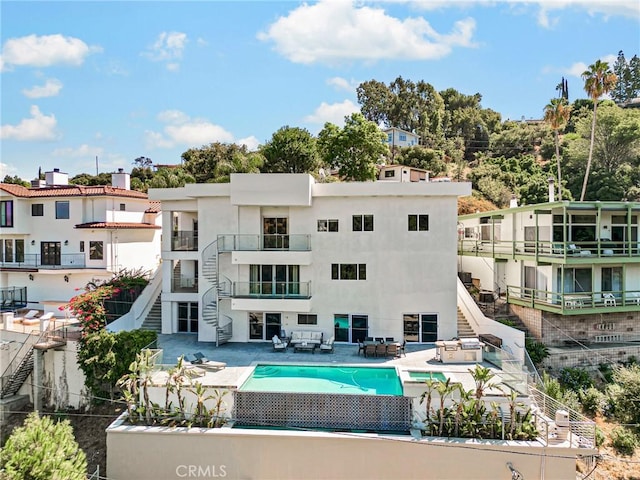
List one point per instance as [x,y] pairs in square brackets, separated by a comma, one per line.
[66,278]
[33,242]
[66,242]
[31,277]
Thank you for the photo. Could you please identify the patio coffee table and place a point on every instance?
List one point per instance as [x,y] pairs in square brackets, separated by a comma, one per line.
[305,347]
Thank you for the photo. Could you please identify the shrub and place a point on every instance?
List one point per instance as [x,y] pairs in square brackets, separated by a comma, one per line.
[625,399]
[592,400]
[42,450]
[600,437]
[624,441]
[537,351]
[575,379]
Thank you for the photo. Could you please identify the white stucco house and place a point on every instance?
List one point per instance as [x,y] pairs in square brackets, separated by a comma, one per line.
[396,137]
[56,237]
[270,252]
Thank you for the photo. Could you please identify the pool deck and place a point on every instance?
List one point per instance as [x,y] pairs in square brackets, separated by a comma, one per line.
[238,357]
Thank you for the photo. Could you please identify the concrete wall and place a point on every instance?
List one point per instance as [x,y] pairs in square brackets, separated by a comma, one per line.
[133,452]
[62,379]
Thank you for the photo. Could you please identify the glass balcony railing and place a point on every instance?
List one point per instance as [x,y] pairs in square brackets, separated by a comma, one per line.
[290,290]
[184,240]
[33,260]
[184,284]
[248,242]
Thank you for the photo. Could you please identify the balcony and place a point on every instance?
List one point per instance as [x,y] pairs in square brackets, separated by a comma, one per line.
[254,243]
[33,261]
[552,252]
[279,290]
[576,303]
[184,240]
[184,284]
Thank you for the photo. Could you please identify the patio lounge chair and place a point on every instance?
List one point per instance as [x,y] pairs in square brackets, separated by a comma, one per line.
[327,346]
[38,320]
[199,358]
[278,345]
[30,315]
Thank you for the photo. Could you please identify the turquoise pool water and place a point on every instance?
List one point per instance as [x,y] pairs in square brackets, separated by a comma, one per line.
[438,376]
[324,379]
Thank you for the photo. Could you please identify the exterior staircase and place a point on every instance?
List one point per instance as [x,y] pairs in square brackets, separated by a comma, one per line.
[210,314]
[153,320]
[464,328]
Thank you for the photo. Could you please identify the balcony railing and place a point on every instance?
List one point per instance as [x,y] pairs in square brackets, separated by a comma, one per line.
[33,260]
[290,290]
[184,240]
[575,302]
[184,284]
[558,250]
[248,242]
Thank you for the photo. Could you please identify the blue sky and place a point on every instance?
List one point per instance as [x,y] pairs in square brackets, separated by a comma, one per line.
[118,80]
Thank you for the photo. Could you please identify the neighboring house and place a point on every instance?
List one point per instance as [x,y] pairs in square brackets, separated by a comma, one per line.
[397,137]
[402,173]
[266,252]
[570,272]
[57,237]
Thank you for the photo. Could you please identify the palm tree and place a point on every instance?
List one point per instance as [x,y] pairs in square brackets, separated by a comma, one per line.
[598,81]
[556,114]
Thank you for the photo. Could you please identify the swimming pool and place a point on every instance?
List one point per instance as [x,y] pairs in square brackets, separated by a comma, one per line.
[325,379]
[422,376]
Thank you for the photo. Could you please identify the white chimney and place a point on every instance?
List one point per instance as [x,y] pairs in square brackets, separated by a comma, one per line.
[513,203]
[552,190]
[56,178]
[121,180]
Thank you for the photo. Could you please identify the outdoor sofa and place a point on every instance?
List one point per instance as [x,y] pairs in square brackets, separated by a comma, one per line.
[308,337]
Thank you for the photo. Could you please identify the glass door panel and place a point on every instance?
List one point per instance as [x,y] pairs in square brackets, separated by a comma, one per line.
[273,324]
[341,327]
[281,279]
[267,279]
[429,327]
[359,327]
[411,327]
[256,326]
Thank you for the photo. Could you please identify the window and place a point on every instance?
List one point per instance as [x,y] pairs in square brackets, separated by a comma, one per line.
[6,213]
[275,280]
[418,223]
[349,271]
[81,246]
[62,210]
[327,225]
[307,319]
[403,137]
[37,210]
[275,231]
[123,207]
[96,251]
[20,250]
[350,328]
[362,223]
[389,173]
[389,137]
[8,251]
[420,327]
[50,253]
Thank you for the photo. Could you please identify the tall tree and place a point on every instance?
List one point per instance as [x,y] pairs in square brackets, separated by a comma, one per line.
[556,114]
[202,162]
[633,87]
[621,70]
[355,149]
[598,81]
[290,150]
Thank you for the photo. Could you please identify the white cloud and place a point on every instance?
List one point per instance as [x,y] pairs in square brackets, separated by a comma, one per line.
[576,69]
[336,31]
[82,151]
[251,142]
[333,113]
[44,51]
[51,88]
[37,128]
[340,83]
[180,129]
[168,48]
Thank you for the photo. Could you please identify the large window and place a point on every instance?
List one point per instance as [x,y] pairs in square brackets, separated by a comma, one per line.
[349,271]
[50,253]
[96,250]
[362,223]
[576,280]
[274,280]
[263,326]
[62,209]
[188,317]
[275,233]
[612,280]
[6,213]
[37,210]
[327,225]
[420,327]
[418,223]
[19,250]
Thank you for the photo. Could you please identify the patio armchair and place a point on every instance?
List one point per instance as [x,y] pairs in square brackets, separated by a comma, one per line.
[609,299]
[360,347]
[401,348]
[278,345]
[370,350]
[381,350]
[327,346]
[392,350]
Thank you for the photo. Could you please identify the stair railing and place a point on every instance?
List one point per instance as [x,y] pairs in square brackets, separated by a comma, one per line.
[22,353]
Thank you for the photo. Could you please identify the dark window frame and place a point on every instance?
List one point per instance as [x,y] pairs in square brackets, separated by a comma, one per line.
[61,212]
[37,209]
[96,253]
[418,222]
[307,319]
[362,223]
[348,271]
[6,213]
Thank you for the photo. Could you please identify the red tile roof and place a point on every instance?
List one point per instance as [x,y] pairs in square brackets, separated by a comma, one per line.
[118,225]
[70,191]
[154,207]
